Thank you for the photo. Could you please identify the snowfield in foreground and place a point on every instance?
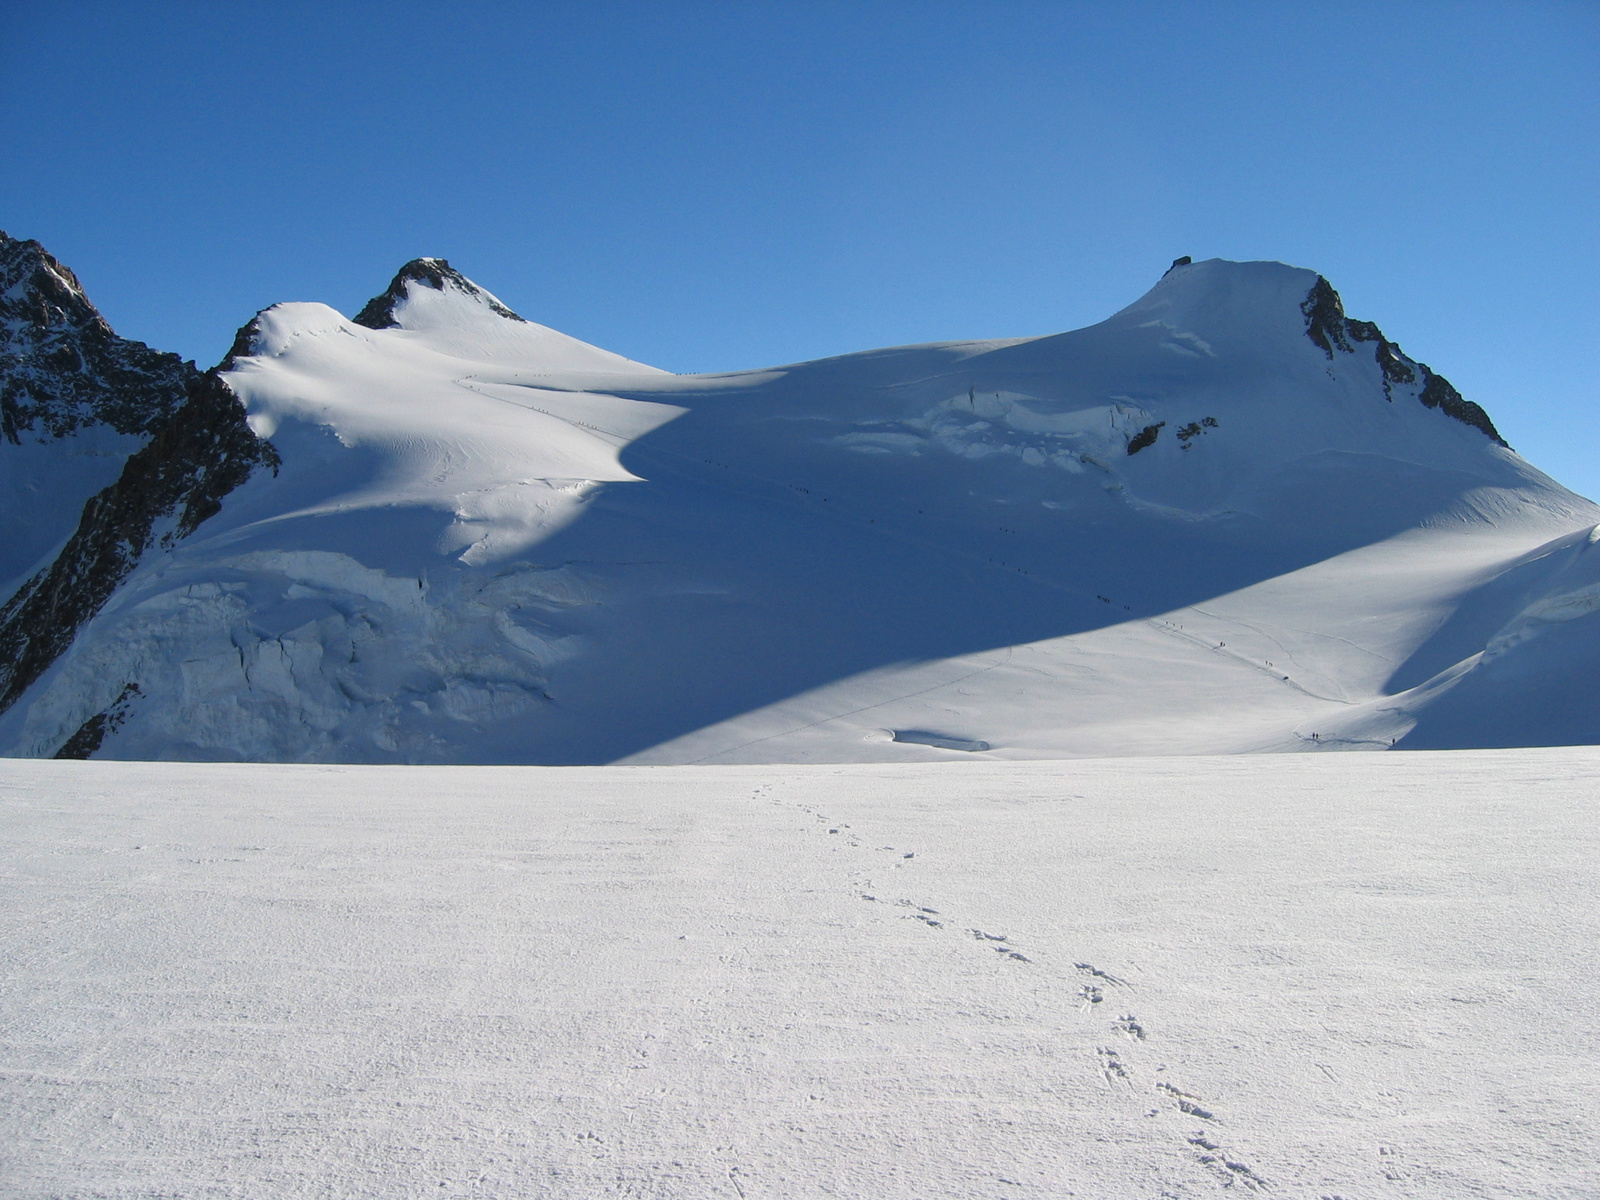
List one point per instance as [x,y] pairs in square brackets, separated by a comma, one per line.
[1346,976]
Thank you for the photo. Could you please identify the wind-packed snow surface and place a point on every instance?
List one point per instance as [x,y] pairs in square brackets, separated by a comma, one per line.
[1357,976]
[1226,519]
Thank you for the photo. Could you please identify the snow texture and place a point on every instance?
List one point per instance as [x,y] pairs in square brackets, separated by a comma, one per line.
[1354,976]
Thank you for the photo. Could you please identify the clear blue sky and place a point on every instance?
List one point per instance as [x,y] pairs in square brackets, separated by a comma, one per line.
[720,185]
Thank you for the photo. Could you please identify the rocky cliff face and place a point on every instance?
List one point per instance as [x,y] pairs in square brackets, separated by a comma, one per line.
[64,374]
[61,366]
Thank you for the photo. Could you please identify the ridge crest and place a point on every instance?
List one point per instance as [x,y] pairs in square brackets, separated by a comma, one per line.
[435,273]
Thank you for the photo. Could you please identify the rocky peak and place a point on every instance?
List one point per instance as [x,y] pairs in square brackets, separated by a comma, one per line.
[1332,331]
[434,273]
[62,370]
[244,344]
[61,365]
[37,292]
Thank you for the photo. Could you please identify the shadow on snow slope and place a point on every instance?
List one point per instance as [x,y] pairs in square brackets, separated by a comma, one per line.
[800,526]
[762,562]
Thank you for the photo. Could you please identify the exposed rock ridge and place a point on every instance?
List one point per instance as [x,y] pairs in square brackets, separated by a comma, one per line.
[435,273]
[61,366]
[1331,330]
[203,451]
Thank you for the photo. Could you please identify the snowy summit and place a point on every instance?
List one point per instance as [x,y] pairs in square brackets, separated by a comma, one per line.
[1227,518]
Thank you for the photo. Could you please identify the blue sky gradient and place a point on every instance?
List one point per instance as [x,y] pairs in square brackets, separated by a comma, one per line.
[712,186]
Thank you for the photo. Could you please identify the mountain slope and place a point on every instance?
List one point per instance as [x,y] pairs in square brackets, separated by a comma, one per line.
[81,408]
[1226,518]
[75,401]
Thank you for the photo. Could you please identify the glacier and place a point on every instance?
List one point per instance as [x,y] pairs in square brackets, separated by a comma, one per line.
[931,855]
[1226,519]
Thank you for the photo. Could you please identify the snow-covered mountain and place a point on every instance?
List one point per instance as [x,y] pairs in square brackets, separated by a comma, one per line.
[1227,518]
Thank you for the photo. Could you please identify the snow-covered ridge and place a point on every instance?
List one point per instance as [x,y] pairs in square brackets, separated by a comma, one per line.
[435,273]
[438,306]
[1228,517]
[506,458]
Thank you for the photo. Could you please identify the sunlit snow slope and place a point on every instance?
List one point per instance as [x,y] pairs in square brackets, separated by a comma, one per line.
[1225,519]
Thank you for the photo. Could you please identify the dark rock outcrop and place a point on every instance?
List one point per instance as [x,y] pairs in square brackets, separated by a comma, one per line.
[244,344]
[1437,392]
[1329,328]
[1145,437]
[92,732]
[435,273]
[1395,366]
[1325,319]
[1194,429]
